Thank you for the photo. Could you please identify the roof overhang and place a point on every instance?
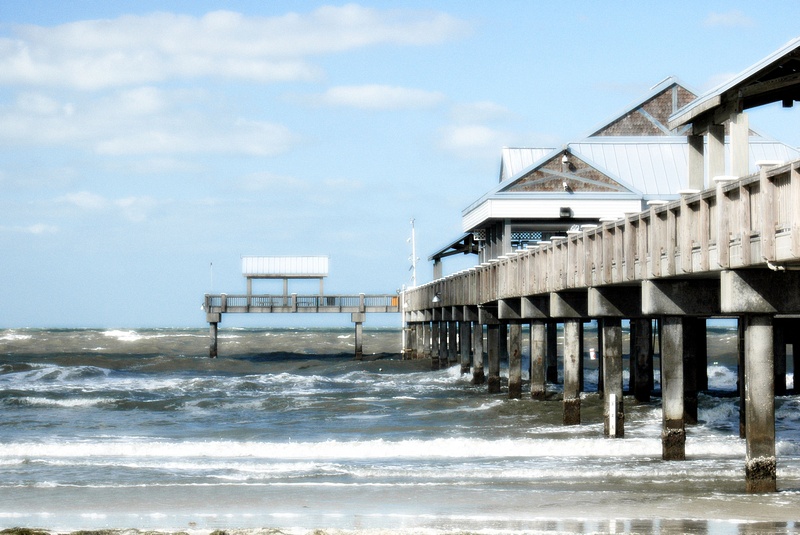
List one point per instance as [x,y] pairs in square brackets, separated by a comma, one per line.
[465,244]
[776,78]
[548,206]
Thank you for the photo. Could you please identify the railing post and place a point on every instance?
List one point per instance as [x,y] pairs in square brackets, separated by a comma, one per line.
[723,228]
[768,223]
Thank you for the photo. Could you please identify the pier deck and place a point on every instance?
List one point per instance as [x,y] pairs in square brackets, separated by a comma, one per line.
[358,306]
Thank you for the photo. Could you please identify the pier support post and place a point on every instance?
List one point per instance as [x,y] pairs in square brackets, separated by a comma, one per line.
[761,464]
[673,432]
[572,359]
[452,343]
[213,331]
[358,318]
[465,339]
[642,358]
[552,351]
[444,358]
[694,364]
[515,361]
[478,374]
[538,355]
[493,348]
[435,325]
[426,337]
[779,328]
[758,296]
[612,376]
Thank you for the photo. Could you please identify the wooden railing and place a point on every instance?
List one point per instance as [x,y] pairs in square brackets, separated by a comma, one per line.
[748,222]
[224,303]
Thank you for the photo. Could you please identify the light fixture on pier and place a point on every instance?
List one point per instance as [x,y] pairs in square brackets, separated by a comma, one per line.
[436,298]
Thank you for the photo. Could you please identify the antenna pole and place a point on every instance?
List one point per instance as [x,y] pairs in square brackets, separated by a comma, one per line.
[413,256]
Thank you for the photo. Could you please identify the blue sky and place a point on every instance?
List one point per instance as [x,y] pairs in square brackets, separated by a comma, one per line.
[143,142]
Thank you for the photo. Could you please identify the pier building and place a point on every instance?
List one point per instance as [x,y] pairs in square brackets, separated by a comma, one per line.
[716,235]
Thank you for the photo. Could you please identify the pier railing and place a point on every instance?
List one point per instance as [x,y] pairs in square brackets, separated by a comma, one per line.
[748,222]
[224,303]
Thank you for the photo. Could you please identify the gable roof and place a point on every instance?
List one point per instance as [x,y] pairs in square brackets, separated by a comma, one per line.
[649,115]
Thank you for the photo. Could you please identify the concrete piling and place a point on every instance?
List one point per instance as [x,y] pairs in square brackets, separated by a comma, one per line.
[435,344]
[673,433]
[515,361]
[538,371]
[444,351]
[465,340]
[213,330]
[612,376]
[358,319]
[642,358]
[493,349]
[478,374]
[572,358]
[761,464]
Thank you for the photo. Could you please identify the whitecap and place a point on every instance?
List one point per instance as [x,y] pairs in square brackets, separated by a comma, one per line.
[123,336]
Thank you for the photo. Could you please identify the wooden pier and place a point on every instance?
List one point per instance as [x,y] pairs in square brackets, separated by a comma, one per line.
[286,268]
[728,247]
[730,251]
[358,306]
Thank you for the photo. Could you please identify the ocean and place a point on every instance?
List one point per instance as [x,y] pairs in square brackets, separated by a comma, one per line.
[138,428]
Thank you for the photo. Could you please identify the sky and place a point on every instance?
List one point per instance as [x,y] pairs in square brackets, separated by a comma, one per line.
[146,146]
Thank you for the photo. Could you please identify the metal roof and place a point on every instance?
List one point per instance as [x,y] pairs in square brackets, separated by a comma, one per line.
[515,159]
[654,166]
[650,167]
[773,78]
[658,167]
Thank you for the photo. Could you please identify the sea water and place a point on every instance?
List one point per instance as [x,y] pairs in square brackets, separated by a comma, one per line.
[140,429]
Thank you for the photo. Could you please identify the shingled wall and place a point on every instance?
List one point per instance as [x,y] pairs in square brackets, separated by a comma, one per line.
[653,122]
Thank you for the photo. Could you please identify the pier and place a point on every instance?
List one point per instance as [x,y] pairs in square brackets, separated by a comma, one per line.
[286,268]
[727,245]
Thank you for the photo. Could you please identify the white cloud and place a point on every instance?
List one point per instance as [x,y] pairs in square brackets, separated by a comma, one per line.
[479,112]
[380,97]
[137,50]
[729,19]
[142,120]
[35,229]
[132,208]
[266,181]
[473,141]
[85,200]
